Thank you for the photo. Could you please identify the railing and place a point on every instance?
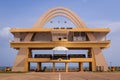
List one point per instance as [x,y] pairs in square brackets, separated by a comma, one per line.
[61,40]
[59,56]
[60,60]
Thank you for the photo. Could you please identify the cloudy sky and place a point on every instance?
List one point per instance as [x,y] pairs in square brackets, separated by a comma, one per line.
[24,13]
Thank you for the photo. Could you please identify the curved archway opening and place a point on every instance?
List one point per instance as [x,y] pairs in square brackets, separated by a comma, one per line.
[59,22]
[60,11]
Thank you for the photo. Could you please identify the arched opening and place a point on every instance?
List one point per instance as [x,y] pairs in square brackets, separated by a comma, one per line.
[59,11]
[59,22]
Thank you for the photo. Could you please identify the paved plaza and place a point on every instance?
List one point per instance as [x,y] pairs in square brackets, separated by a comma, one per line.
[61,76]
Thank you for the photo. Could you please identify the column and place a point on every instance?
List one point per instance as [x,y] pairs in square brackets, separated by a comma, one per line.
[38,66]
[53,66]
[93,64]
[80,66]
[66,67]
[29,56]
[27,64]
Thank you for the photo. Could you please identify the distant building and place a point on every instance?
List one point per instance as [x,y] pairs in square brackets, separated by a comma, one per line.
[80,37]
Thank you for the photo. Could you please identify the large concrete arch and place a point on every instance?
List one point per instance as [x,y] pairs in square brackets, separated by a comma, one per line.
[58,11]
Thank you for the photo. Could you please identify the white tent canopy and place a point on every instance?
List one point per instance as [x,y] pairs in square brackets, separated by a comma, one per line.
[60,48]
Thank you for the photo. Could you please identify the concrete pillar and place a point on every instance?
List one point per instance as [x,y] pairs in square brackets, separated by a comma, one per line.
[26,67]
[29,56]
[66,67]
[39,66]
[80,66]
[93,63]
[30,53]
[27,64]
[93,66]
[53,66]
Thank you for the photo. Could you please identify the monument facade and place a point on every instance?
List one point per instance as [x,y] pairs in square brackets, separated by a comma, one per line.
[39,38]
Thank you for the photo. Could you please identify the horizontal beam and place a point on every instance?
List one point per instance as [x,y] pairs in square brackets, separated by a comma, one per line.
[69,45]
[15,30]
[60,60]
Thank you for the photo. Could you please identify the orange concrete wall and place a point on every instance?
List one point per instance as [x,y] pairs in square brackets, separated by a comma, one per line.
[42,36]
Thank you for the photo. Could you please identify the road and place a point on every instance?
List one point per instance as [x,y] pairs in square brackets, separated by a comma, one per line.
[61,76]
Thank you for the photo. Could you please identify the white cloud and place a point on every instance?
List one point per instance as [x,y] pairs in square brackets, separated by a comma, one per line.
[114,26]
[5,32]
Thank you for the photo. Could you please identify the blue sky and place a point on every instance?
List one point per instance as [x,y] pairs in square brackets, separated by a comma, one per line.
[24,13]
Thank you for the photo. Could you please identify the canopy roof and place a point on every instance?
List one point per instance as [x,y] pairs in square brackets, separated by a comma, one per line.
[60,48]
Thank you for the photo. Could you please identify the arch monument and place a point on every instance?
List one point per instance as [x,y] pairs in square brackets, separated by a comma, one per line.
[39,38]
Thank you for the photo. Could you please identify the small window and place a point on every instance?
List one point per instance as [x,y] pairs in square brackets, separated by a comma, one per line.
[64,37]
[76,33]
[82,34]
[59,39]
